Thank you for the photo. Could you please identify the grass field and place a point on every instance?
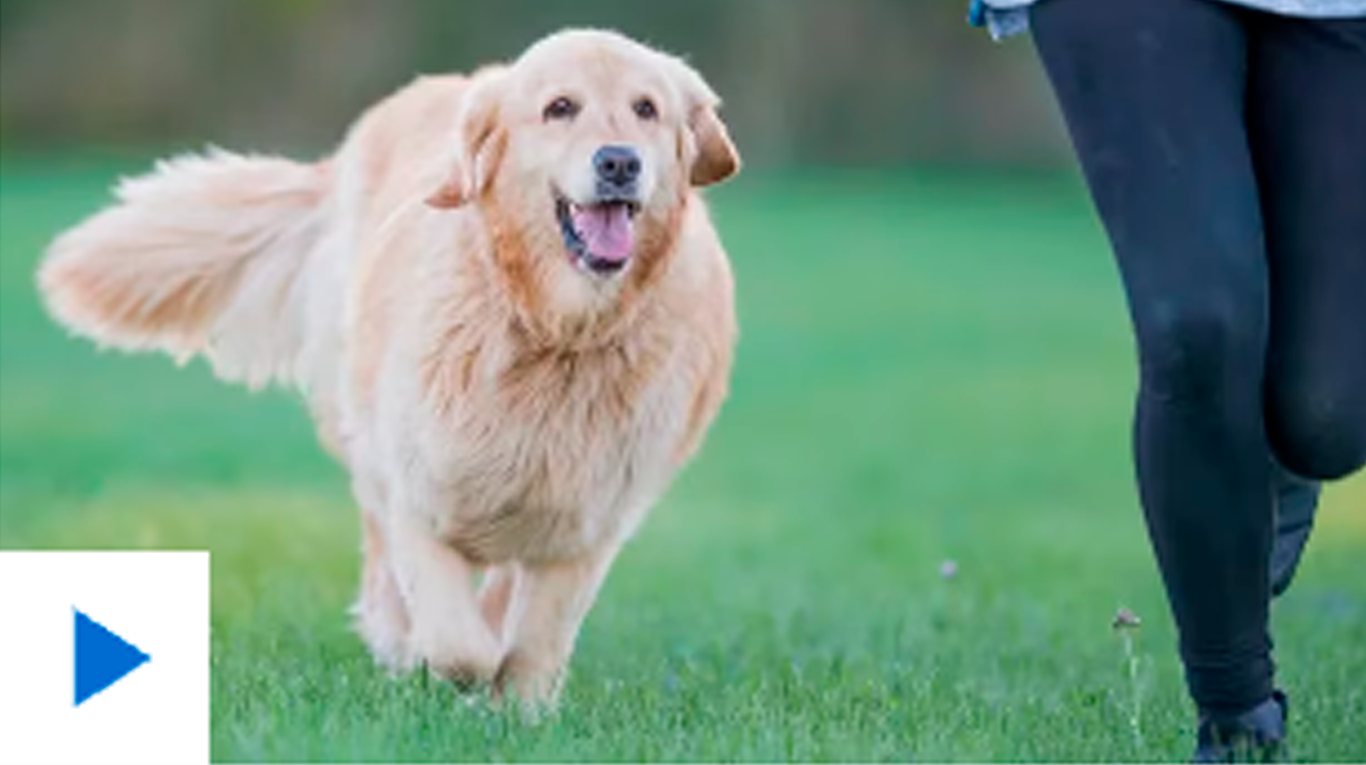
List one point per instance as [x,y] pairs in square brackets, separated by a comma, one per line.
[932,368]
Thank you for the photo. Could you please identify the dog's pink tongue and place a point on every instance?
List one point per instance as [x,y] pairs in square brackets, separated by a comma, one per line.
[606,229]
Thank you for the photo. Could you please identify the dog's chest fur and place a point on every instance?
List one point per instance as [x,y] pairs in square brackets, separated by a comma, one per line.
[547,453]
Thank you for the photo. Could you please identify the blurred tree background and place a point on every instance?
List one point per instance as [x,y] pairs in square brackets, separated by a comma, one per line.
[821,82]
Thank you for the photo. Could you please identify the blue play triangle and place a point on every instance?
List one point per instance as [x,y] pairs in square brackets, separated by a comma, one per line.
[102,657]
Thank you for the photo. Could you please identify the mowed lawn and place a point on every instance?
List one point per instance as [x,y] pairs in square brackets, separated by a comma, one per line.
[933,368]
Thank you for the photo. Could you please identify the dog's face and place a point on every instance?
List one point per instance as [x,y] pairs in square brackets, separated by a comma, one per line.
[584,150]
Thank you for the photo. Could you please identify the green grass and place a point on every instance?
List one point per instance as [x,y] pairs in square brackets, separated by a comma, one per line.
[931,368]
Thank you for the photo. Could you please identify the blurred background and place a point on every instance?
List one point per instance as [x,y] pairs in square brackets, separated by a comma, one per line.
[908,533]
[853,82]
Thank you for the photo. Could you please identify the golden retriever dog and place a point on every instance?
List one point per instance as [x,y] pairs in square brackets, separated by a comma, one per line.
[505,305]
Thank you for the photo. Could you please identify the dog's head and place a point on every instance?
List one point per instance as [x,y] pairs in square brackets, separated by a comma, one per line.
[583,152]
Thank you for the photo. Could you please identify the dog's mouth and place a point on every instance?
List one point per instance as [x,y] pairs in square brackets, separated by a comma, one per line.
[600,235]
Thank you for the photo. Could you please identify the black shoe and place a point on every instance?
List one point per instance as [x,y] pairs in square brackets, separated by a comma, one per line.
[1296,500]
[1257,735]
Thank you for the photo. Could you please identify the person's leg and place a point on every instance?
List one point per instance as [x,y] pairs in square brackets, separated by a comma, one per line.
[1297,499]
[1152,92]
[1307,128]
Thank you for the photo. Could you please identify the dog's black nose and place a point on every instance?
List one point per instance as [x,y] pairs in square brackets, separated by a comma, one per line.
[617,165]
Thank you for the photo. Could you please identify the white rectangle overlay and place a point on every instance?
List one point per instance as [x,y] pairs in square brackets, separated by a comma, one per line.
[157,602]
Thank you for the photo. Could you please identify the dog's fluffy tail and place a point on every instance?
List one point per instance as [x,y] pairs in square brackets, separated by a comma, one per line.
[204,255]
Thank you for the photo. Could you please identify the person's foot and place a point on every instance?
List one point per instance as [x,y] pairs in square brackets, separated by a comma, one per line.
[1257,735]
[1296,500]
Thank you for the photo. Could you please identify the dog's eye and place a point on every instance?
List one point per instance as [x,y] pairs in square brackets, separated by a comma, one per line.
[645,109]
[562,108]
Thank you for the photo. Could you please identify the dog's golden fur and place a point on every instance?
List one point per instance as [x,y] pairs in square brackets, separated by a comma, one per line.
[500,410]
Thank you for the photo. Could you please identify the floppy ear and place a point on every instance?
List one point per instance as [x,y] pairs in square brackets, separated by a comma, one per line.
[715,157]
[470,163]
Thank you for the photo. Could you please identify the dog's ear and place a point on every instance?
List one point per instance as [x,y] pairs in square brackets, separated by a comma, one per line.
[714,156]
[470,165]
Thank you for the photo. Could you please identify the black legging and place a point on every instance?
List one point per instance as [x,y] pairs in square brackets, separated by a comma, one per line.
[1225,150]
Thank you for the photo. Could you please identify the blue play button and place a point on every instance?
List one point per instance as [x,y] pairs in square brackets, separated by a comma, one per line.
[102,658]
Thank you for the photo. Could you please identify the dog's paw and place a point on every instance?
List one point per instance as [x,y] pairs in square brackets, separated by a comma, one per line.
[469,664]
[466,677]
[534,686]
[387,638]
[395,663]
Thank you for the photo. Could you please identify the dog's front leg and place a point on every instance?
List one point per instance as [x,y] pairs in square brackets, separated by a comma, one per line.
[495,596]
[548,608]
[381,616]
[448,631]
